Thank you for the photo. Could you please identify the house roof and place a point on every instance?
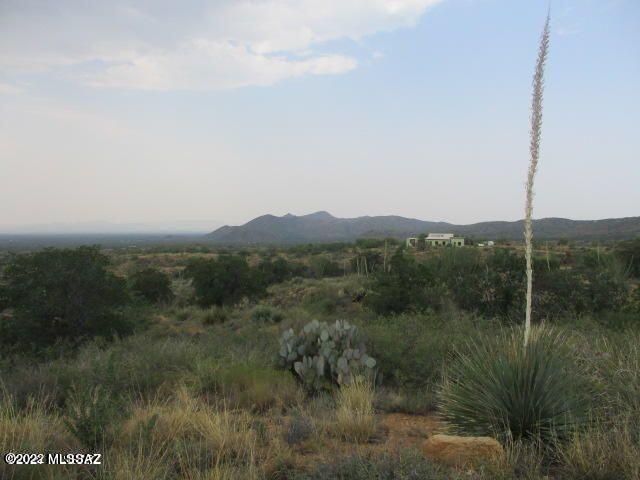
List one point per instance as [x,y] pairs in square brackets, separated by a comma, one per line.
[439,236]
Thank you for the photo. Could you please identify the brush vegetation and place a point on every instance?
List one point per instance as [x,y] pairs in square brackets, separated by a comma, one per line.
[191,391]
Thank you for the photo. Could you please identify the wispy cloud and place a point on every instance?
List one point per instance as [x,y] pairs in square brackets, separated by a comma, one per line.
[7,89]
[192,45]
[204,65]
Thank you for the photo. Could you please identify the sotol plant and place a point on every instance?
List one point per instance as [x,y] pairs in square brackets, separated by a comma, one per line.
[534,150]
[321,354]
[499,388]
[504,389]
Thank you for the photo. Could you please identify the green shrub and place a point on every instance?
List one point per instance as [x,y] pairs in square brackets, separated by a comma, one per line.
[633,303]
[321,354]
[139,366]
[325,302]
[629,254]
[250,386]
[408,285]
[299,429]
[66,294]
[605,289]
[492,284]
[4,300]
[90,413]
[225,281]
[215,315]
[500,388]
[151,285]
[278,270]
[182,291]
[367,262]
[314,248]
[324,267]
[620,321]
[266,315]
[185,313]
[414,362]
[23,382]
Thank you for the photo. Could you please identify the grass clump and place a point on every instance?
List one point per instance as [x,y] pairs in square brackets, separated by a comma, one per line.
[299,429]
[419,402]
[355,417]
[215,315]
[256,388]
[604,451]
[192,435]
[264,314]
[500,388]
[33,430]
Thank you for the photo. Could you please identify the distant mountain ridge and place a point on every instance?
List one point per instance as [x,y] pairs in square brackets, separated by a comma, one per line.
[324,227]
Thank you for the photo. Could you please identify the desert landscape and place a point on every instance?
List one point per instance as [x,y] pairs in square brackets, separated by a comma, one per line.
[163,318]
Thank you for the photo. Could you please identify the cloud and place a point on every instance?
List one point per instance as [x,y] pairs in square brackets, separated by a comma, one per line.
[205,65]
[7,89]
[192,45]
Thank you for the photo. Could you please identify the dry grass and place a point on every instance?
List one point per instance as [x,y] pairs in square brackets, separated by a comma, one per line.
[256,388]
[188,435]
[355,419]
[522,460]
[142,462]
[603,451]
[32,430]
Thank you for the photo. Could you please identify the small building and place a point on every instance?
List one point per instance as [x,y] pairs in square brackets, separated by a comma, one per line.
[443,239]
[437,240]
[412,242]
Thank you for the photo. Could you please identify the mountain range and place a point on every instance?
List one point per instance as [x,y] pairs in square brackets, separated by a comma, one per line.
[324,227]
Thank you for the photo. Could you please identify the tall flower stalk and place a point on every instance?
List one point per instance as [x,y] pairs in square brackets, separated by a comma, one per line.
[534,150]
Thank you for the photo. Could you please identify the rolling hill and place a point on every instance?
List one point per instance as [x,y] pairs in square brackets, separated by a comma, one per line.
[324,227]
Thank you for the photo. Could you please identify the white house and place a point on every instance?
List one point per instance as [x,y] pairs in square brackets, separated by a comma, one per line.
[438,240]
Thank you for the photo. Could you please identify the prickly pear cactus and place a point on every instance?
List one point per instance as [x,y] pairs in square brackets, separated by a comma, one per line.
[321,354]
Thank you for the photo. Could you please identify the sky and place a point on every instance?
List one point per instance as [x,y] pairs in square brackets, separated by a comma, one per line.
[194,114]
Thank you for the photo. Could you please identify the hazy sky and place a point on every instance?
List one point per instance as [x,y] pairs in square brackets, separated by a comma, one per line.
[208,112]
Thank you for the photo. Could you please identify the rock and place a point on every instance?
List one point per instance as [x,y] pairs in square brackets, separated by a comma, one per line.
[462,451]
